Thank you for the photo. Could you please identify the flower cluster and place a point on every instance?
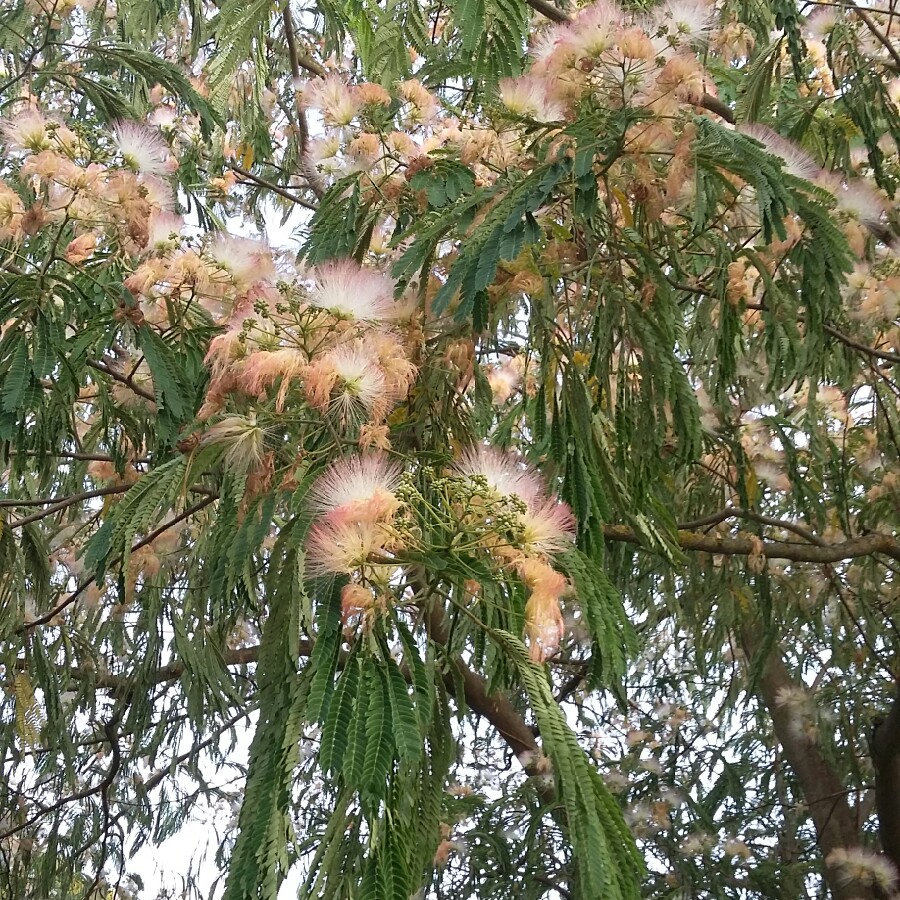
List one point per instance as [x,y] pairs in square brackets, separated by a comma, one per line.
[523,527]
[336,339]
[359,529]
[96,205]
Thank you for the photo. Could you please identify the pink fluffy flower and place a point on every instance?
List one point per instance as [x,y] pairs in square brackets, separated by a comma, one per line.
[342,547]
[142,148]
[796,162]
[529,96]
[333,98]
[544,625]
[548,527]
[358,488]
[505,474]
[348,291]
[246,260]
[26,130]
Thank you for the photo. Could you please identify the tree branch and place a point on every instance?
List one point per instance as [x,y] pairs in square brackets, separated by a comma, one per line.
[270,186]
[739,546]
[823,791]
[53,613]
[121,377]
[59,505]
[878,34]
[885,749]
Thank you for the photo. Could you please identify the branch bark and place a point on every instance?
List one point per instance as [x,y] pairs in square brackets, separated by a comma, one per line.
[885,750]
[796,552]
[823,791]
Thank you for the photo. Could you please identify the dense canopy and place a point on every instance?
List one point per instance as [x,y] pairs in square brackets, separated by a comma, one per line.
[486,412]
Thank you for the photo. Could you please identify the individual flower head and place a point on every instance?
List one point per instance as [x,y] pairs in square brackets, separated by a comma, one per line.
[821,23]
[544,625]
[548,526]
[263,368]
[505,475]
[356,600]
[856,865]
[343,547]
[423,106]
[81,248]
[12,213]
[159,192]
[348,291]
[346,380]
[333,98]
[246,260]
[163,231]
[683,21]
[796,161]
[142,148]
[593,31]
[358,488]
[26,130]
[243,441]
[529,96]
[861,201]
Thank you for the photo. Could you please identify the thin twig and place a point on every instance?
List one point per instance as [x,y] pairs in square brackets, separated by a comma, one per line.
[53,613]
[275,188]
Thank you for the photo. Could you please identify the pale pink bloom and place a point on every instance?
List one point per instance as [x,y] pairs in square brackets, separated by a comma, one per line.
[159,192]
[26,130]
[593,31]
[684,21]
[355,600]
[399,371]
[164,117]
[503,381]
[348,291]
[544,624]
[363,152]
[529,96]
[358,380]
[548,526]
[372,94]
[374,437]
[81,248]
[12,211]
[243,439]
[358,488]
[796,162]
[142,148]
[342,547]
[506,476]
[246,260]
[263,368]
[861,866]
[163,230]
[862,201]
[333,98]
[424,107]
[821,22]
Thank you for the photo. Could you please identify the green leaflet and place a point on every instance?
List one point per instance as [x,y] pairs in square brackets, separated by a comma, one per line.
[153,69]
[171,393]
[259,861]
[612,632]
[239,22]
[341,712]
[609,865]
[379,753]
[405,726]
[157,489]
